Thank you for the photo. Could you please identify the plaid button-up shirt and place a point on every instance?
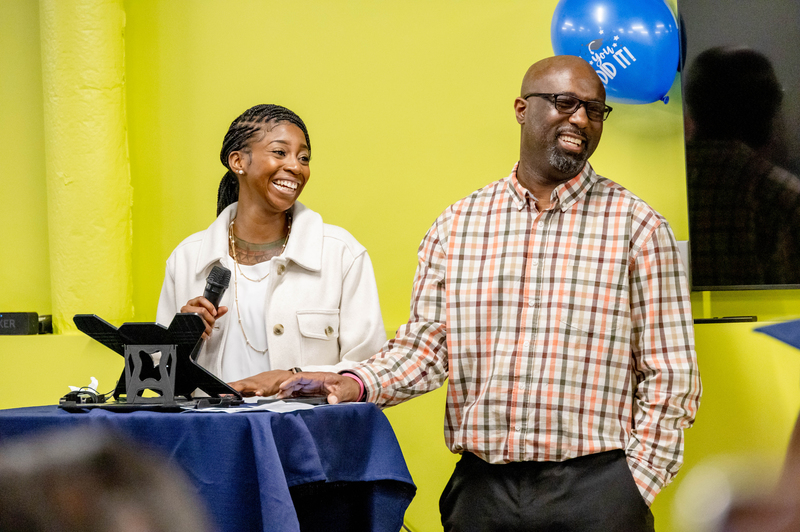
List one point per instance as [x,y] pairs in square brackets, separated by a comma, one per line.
[563,333]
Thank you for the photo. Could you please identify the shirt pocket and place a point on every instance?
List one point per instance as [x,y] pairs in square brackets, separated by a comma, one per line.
[593,322]
[319,331]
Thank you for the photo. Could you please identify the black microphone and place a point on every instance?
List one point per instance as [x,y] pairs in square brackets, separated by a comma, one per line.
[216,284]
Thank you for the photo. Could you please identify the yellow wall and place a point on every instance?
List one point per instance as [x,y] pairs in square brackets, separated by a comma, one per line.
[409,107]
[24,259]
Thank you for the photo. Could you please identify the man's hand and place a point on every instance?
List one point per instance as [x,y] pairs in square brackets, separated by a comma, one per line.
[338,388]
[261,385]
[203,306]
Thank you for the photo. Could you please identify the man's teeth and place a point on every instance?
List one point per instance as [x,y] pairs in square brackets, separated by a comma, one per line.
[287,184]
[572,140]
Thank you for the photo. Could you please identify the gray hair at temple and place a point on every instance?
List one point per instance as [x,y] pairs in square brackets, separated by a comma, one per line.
[89,481]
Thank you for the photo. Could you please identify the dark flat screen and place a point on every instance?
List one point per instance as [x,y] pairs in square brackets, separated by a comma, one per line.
[741,93]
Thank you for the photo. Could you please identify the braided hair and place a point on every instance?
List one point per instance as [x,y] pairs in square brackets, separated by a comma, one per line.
[238,137]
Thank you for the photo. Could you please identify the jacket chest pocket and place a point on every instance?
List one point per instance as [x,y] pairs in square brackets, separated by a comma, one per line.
[319,331]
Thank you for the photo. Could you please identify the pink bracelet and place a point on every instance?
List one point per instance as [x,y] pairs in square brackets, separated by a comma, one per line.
[359,381]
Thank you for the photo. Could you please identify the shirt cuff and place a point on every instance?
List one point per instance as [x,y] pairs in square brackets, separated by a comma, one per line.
[646,480]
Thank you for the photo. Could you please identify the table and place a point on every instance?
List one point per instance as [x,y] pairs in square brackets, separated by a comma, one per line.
[341,464]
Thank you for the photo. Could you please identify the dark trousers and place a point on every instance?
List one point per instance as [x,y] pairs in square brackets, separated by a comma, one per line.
[590,493]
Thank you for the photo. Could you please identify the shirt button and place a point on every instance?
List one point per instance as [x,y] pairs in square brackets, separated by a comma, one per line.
[526,345]
[278,329]
[531,302]
[540,224]
[517,428]
[535,262]
[281,269]
[329,331]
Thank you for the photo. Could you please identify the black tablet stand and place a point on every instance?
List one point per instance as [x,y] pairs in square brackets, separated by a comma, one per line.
[159,359]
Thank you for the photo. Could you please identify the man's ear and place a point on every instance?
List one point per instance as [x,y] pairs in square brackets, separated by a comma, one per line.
[520,106]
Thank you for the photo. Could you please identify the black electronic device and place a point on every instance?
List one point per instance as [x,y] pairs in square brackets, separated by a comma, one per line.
[83,396]
[742,167]
[309,400]
[216,284]
[159,359]
[46,324]
[19,323]
[726,319]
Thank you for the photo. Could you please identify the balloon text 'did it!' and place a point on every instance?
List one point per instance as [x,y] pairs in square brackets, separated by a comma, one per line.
[633,45]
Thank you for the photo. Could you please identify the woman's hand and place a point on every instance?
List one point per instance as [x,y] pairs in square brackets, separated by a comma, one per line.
[210,315]
[261,385]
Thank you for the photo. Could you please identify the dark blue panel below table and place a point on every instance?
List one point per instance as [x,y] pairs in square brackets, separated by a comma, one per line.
[341,463]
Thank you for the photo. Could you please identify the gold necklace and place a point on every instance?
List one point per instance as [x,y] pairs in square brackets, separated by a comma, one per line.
[236,279]
[231,239]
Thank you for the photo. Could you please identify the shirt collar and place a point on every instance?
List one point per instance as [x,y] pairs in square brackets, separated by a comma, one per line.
[214,245]
[305,242]
[576,188]
[304,246]
[566,194]
[519,194]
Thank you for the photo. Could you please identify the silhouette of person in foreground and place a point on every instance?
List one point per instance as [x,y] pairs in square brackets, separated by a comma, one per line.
[90,481]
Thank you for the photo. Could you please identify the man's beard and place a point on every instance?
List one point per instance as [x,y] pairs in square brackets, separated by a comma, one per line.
[566,163]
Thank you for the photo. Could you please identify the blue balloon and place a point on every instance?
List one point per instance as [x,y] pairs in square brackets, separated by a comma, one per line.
[633,45]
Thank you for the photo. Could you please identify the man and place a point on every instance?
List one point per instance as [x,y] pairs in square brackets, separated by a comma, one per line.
[554,302]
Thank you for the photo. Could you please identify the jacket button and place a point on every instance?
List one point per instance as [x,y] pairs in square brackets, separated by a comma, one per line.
[281,269]
[328,331]
[278,329]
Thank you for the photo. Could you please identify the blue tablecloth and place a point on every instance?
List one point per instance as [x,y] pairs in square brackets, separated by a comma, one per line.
[243,465]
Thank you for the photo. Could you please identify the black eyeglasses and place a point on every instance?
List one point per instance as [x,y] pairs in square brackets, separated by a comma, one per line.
[564,103]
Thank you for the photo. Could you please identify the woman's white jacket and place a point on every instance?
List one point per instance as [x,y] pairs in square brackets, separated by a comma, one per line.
[322,309]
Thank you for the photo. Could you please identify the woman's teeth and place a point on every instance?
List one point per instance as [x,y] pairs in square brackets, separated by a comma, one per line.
[285,184]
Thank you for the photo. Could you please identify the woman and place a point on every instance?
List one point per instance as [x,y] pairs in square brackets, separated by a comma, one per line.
[302,294]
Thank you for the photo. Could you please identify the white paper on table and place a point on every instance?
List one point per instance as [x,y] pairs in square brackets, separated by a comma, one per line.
[276,406]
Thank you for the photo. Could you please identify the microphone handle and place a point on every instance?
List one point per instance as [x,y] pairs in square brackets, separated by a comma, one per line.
[213,293]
